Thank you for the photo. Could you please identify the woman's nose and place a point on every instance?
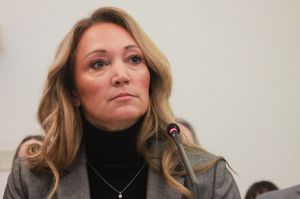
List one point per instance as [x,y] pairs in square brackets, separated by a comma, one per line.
[120,74]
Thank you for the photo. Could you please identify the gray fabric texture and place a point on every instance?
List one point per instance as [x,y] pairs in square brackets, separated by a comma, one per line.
[23,183]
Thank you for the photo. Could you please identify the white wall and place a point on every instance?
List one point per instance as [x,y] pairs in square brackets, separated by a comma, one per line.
[236,67]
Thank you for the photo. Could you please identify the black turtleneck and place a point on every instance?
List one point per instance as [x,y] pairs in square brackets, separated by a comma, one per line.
[114,156]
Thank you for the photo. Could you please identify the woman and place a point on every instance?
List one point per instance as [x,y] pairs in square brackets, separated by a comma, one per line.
[104,111]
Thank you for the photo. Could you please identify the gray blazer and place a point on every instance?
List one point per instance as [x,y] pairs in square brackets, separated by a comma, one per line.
[288,193]
[23,183]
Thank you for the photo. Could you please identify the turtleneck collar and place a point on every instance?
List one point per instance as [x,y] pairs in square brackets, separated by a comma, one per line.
[119,147]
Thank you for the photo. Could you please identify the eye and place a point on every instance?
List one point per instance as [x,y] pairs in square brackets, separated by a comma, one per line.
[98,63]
[135,59]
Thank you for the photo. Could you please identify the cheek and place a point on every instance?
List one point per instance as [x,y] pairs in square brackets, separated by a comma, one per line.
[145,86]
[87,89]
[145,81]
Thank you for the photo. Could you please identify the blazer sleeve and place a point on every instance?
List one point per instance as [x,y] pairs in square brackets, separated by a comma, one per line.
[14,188]
[224,185]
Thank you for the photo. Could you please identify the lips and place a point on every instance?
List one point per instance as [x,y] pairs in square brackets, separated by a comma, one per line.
[122,95]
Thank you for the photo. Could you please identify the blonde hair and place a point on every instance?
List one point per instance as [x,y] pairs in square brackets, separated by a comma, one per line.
[61,120]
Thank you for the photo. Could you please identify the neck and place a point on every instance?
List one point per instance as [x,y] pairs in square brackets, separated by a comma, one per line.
[112,126]
[105,147]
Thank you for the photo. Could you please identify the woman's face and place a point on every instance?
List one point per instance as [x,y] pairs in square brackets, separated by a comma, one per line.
[111,77]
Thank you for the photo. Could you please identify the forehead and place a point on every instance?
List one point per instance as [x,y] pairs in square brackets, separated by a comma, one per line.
[106,34]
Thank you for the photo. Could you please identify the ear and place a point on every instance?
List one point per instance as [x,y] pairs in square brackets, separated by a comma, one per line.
[75,99]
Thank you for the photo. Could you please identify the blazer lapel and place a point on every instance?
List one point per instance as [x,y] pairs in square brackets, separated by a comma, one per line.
[74,181]
[158,188]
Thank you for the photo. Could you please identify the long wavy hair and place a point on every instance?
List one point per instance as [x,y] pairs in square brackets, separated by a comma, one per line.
[60,118]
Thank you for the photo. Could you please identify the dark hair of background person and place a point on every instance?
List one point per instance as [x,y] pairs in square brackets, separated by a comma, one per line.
[189,127]
[258,188]
[27,138]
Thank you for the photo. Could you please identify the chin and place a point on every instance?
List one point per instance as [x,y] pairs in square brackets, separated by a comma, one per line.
[129,115]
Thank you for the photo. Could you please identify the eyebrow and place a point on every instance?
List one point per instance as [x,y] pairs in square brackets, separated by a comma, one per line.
[105,51]
[96,51]
[131,46]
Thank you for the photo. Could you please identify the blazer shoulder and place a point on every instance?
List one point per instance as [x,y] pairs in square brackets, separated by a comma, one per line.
[201,157]
[214,176]
[23,182]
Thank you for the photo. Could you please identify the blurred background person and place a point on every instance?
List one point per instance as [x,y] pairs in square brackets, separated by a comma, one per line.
[188,130]
[27,141]
[258,188]
[287,193]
